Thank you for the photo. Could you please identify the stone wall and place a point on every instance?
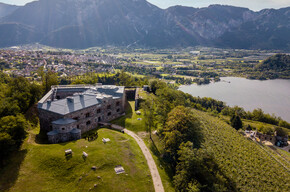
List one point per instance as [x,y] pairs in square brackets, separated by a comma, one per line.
[46,118]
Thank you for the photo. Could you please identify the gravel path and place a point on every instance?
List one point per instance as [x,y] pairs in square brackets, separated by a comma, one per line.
[150,161]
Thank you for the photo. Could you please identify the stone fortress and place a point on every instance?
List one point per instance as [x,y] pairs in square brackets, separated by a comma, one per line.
[66,112]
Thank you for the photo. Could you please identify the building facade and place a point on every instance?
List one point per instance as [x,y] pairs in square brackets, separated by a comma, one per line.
[66,112]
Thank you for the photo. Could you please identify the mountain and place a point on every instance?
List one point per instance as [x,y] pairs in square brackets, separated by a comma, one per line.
[6,9]
[270,29]
[87,23]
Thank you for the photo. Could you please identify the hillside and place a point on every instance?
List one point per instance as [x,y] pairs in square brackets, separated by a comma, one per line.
[244,164]
[278,62]
[248,166]
[74,24]
[52,171]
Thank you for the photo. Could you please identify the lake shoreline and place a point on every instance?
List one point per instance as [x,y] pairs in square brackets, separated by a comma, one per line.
[272,96]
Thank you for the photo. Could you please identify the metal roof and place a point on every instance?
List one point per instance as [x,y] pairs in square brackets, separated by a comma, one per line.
[90,97]
[75,131]
[51,133]
[63,121]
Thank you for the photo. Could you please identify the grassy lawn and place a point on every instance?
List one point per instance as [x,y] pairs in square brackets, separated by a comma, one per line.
[45,168]
[130,120]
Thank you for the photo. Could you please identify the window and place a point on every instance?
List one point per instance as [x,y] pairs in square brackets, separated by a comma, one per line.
[109,107]
[109,114]
[87,114]
[118,110]
[78,126]
[88,122]
[99,119]
[118,103]
[99,111]
[58,97]
[76,118]
[63,129]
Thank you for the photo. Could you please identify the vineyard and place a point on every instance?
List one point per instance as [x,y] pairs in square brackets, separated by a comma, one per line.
[248,165]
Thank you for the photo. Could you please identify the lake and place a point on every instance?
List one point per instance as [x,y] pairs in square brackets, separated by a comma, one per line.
[272,96]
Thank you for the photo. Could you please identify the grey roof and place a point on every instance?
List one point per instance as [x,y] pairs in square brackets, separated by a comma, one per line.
[90,97]
[75,131]
[63,121]
[52,133]
[65,106]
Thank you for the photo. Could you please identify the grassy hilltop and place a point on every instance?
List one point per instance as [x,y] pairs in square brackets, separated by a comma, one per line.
[40,167]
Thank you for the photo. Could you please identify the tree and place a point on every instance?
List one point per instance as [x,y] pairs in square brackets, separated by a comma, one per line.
[198,171]
[15,127]
[280,132]
[48,78]
[156,84]
[149,114]
[181,126]
[236,122]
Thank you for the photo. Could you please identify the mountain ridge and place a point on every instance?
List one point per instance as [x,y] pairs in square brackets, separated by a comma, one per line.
[75,24]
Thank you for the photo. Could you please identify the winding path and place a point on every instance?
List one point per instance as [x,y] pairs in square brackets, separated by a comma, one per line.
[157,182]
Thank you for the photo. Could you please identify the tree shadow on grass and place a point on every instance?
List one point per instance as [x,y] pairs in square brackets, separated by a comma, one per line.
[10,170]
[41,138]
[164,164]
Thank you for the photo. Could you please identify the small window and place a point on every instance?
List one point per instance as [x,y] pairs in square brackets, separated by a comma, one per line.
[87,114]
[58,97]
[78,126]
[109,107]
[99,119]
[118,110]
[63,129]
[118,104]
[76,118]
[88,122]
[109,114]
[99,111]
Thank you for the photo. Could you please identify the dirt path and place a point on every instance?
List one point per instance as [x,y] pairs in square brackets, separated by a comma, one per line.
[150,161]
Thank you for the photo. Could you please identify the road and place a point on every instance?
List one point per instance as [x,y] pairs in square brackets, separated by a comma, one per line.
[157,182]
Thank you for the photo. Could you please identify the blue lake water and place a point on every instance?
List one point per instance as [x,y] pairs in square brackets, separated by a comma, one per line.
[272,96]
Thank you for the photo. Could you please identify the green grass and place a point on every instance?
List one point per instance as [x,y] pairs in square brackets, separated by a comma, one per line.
[156,149]
[45,168]
[130,120]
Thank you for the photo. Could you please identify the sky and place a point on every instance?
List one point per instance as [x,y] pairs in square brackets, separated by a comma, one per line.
[255,5]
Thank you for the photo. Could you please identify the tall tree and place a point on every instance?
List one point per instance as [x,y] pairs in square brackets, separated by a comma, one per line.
[148,107]
[181,126]
[236,122]
[48,78]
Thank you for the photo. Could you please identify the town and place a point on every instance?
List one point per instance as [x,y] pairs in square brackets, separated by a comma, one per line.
[182,66]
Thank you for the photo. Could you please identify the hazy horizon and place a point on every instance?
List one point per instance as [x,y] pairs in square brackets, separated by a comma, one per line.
[254,5]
